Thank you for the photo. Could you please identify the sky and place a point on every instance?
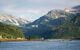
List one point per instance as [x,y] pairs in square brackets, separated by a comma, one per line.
[33,9]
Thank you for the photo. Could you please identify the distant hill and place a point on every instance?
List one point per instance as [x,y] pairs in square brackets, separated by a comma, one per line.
[9,31]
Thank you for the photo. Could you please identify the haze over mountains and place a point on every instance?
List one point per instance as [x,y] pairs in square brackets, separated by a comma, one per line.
[55,24]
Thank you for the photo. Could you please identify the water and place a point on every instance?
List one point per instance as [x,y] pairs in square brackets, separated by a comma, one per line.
[41,45]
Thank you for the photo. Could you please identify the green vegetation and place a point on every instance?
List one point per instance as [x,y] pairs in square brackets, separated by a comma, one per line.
[9,31]
[70,29]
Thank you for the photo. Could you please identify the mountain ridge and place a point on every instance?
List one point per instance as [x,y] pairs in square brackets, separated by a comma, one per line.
[47,25]
[12,20]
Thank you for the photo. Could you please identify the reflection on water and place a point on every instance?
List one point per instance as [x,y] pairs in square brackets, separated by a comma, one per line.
[41,45]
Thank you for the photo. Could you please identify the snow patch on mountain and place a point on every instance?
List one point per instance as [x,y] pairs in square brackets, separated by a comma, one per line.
[8,19]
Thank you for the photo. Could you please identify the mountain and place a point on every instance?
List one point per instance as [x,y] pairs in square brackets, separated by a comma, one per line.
[9,31]
[76,7]
[52,25]
[45,25]
[12,20]
[69,29]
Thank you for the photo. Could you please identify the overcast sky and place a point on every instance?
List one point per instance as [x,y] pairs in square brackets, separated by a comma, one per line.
[33,9]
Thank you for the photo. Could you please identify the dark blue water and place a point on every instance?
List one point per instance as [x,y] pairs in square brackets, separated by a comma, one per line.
[41,45]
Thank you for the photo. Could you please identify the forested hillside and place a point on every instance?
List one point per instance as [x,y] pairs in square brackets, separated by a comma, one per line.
[9,31]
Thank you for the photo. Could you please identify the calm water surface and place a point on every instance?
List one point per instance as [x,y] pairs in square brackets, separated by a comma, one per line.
[41,45]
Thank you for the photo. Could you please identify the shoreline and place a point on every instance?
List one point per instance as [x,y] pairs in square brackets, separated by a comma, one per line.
[11,40]
[16,40]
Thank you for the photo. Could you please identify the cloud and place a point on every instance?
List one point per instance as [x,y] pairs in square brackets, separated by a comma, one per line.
[11,9]
[30,13]
[34,8]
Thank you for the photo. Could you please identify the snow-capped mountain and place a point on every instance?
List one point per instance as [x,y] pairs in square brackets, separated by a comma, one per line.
[8,19]
[47,25]
[54,14]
